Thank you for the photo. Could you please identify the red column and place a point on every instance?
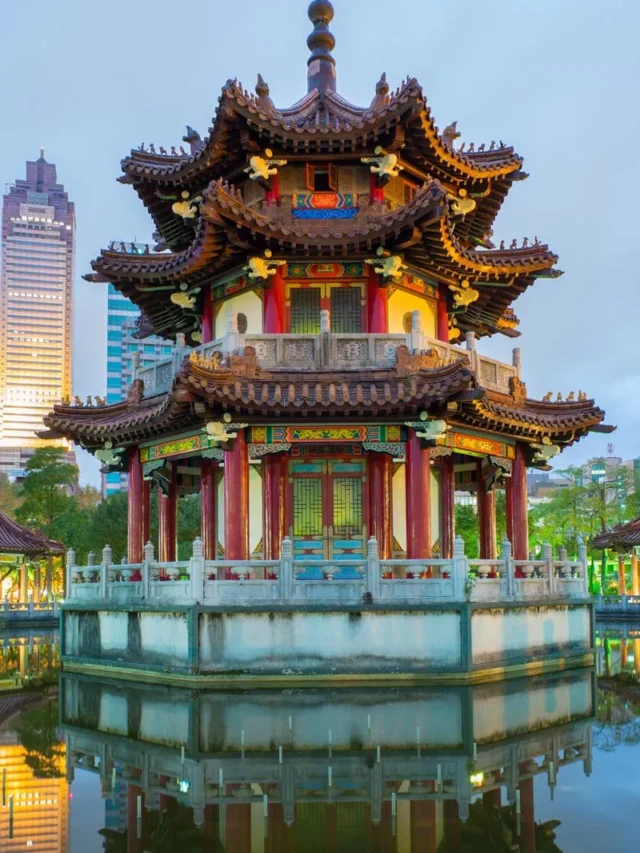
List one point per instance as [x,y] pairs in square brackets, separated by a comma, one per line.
[274,304]
[207,317]
[167,520]
[208,518]
[423,826]
[135,526]
[146,511]
[519,506]
[272,196]
[236,499]
[443,314]
[238,827]
[486,517]
[380,512]
[418,487]
[447,507]
[452,826]
[376,193]
[274,478]
[134,844]
[508,507]
[377,304]
[527,817]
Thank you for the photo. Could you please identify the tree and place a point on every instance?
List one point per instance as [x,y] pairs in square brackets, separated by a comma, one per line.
[9,496]
[46,489]
[38,734]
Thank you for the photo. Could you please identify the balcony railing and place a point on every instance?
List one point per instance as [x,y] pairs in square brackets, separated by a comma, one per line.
[338,351]
[289,581]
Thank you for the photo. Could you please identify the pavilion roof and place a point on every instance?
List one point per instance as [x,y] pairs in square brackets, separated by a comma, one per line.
[621,538]
[320,124]
[207,388]
[229,232]
[16,539]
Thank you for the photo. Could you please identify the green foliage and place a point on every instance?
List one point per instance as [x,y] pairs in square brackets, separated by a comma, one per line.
[46,489]
[9,496]
[39,736]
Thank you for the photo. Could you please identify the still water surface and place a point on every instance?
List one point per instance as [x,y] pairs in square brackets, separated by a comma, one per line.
[537,765]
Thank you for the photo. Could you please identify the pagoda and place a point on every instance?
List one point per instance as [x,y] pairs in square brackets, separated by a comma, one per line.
[326,271]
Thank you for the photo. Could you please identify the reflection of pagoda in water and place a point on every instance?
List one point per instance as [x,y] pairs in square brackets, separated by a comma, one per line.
[371,769]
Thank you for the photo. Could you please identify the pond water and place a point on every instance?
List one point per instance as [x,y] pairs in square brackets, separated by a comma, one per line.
[542,764]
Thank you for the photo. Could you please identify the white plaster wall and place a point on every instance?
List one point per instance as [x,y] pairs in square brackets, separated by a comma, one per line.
[113,713]
[401,303]
[399,507]
[520,633]
[331,641]
[255,508]
[164,722]
[502,713]
[113,631]
[165,635]
[393,724]
[249,304]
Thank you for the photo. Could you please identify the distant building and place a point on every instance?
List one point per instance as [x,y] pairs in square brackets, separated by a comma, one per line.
[123,342]
[38,234]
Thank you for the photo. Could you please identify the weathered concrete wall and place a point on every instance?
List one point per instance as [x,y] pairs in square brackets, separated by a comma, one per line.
[151,638]
[329,642]
[523,633]
[503,710]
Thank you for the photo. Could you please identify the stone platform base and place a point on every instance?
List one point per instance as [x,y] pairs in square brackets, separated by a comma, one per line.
[205,646]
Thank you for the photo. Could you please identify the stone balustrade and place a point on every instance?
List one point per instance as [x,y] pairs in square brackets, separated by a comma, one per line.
[338,351]
[343,581]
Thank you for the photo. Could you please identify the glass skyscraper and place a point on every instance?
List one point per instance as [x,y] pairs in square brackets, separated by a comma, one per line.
[122,344]
[38,234]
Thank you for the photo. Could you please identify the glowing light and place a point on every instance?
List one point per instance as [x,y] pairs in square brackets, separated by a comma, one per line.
[477,779]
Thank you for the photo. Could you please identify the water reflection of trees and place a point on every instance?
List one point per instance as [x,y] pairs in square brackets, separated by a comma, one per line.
[618,714]
[165,832]
[38,735]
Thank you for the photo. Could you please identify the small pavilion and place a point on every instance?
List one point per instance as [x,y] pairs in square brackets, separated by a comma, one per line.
[18,547]
[623,539]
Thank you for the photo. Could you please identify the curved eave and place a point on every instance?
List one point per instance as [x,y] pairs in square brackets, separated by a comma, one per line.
[16,539]
[121,423]
[358,393]
[621,538]
[564,423]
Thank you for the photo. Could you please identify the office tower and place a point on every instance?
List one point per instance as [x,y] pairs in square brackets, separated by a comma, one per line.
[38,231]
[123,342]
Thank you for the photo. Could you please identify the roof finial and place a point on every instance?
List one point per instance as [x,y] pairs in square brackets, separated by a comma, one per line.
[321,74]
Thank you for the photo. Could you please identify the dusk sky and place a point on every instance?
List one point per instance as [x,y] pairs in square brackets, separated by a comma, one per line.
[558,79]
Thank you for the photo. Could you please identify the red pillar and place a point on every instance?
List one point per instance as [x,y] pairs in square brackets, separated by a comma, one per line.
[208,518]
[486,517]
[452,826]
[272,196]
[376,193]
[418,487]
[274,304]
[519,506]
[380,512]
[236,499]
[377,305]
[134,844]
[167,520]
[508,507]
[447,507]
[238,827]
[146,511]
[274,478]
[443,314]
[207,317]
[135,526]
[527,817]
[423,826]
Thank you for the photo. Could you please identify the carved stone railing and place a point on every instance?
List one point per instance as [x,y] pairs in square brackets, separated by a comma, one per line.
[327,350]
[342,581]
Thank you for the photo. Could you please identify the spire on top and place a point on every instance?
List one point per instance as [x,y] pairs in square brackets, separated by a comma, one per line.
[41,160]
[321,74]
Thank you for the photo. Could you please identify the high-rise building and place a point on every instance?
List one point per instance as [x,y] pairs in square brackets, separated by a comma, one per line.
[123,342]
[38,234]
